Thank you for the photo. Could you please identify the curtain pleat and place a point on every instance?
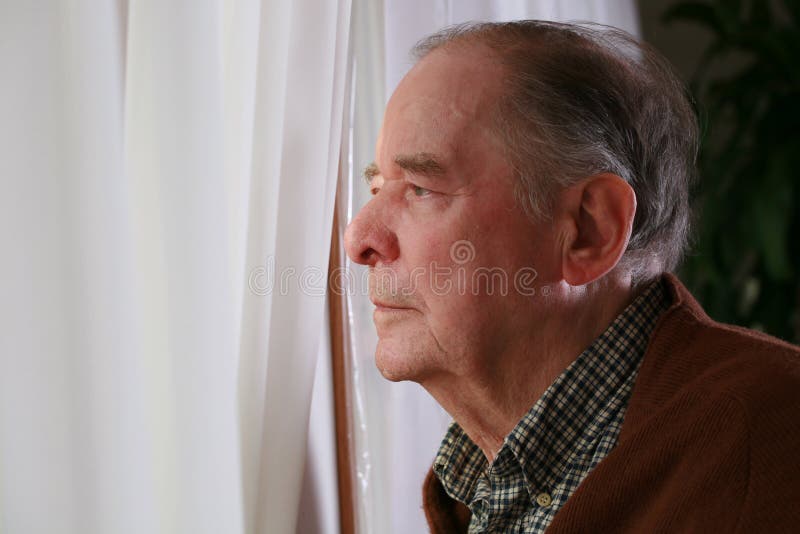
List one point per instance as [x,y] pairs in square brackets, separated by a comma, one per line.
[156,159]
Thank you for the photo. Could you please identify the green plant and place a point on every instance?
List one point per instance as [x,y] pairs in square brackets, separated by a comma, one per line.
[745,259]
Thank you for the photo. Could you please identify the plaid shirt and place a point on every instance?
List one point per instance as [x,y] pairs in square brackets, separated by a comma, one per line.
[570,429]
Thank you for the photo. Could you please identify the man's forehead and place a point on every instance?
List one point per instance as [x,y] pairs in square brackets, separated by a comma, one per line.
[435,112]
[447,84]
[421,126]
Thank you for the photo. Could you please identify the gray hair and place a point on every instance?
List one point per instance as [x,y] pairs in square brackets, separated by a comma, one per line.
[579,100]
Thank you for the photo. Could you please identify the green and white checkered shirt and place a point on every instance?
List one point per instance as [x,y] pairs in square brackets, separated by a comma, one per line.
[570,429]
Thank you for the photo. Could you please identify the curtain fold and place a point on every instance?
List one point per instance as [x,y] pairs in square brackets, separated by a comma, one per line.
[157,160]
[304,209]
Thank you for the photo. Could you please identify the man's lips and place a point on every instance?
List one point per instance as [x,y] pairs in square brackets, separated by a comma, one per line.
[388,306]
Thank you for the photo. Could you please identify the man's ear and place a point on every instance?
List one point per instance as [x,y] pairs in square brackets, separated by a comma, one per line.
[598,213]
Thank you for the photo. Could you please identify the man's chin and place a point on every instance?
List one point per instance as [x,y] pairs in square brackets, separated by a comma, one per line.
[397,363]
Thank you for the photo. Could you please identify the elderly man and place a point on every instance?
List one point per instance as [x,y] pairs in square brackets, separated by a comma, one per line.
[530,196]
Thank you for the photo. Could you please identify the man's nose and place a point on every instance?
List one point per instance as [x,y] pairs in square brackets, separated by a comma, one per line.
[368,240]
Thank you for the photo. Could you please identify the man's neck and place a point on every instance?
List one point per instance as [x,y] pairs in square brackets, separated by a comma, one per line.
[489,402]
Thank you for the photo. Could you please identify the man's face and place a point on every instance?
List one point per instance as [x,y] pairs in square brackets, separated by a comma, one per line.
[451,254]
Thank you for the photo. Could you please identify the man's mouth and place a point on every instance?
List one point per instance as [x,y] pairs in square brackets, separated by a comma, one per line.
[388,306]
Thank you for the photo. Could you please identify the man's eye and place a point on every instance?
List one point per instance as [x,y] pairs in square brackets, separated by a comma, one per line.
[420,191]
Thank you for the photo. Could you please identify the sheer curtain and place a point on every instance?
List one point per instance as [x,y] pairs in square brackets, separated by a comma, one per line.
[168,176]
[398,426]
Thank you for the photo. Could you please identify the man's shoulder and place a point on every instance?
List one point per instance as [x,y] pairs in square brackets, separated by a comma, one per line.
[744,404]
[747,355]
[698,363]
[708,441]
[742,363]
[714,415]
[706,350]
[757,372]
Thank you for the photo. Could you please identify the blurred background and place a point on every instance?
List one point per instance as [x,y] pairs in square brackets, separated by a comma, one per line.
[740,59]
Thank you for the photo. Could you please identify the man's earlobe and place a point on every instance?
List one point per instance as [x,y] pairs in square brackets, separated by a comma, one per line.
[603,209]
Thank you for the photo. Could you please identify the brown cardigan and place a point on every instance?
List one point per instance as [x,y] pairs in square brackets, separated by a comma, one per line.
[710,441]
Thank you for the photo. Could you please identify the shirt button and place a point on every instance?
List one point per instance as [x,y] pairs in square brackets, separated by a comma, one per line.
[544,499]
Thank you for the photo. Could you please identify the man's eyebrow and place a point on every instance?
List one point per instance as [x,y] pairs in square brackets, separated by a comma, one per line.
[370,172]
[422,163]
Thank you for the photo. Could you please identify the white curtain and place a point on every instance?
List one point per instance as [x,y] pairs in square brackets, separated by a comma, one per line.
[398,426]
[168,174]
